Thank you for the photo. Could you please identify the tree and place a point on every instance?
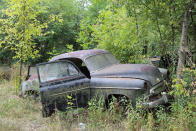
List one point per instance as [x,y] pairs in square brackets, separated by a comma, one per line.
[89,16]
[62,32]
[19,25]
[153,24]
[183,43]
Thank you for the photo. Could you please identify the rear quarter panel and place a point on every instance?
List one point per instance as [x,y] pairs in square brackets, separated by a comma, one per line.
[131,88]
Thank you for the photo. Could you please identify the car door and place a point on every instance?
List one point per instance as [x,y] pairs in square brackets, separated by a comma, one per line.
[62,84]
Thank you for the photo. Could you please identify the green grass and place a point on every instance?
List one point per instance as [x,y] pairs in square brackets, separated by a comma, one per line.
[21,114]
[25,114]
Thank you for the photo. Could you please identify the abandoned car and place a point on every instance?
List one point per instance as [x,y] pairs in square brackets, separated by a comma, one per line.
[88,73]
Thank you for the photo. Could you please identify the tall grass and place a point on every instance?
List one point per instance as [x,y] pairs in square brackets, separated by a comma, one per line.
[25,114]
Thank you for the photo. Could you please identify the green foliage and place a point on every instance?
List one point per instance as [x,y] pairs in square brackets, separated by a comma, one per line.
[19,25]
[62,31]
[185,86]
[89,18]
[181,115]
[51,29]
[127,27]
[113,32]
[70,102]
[96,104]
[17,84]
[184,106]
[55,52]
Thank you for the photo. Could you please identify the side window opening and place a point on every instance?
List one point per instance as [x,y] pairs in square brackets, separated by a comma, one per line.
[85,70]
[81,65]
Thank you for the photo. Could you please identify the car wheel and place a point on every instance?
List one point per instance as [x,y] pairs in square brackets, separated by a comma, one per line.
[48,110]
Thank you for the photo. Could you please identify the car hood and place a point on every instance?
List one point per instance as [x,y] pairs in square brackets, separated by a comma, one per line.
[138,71]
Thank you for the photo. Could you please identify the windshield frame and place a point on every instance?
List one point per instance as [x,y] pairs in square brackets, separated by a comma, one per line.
[80,74]
[118,62]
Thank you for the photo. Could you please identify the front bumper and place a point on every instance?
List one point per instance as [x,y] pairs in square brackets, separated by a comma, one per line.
[157,96]
[163,99]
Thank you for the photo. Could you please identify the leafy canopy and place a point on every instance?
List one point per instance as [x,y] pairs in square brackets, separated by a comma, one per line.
[19,25]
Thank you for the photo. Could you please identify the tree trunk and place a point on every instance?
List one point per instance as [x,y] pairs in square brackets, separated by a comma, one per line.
[163,45]
[20,79]
[172,9]
[194,45]
[136,23]
[183,42]
[21,49]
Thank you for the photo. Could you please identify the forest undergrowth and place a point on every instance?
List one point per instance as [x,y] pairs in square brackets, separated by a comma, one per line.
[25,114]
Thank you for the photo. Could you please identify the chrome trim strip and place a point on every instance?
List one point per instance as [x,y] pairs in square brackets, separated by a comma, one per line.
[69,91]
[125,88]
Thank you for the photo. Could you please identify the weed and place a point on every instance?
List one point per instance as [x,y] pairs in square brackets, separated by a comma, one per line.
[25,114]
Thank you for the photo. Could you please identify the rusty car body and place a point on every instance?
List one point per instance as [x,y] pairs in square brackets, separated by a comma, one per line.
[88,73]
[30,87]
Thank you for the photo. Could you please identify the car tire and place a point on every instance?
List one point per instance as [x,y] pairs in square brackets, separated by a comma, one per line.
[48,110]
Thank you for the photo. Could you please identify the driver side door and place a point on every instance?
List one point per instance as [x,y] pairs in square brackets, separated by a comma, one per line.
[62,85]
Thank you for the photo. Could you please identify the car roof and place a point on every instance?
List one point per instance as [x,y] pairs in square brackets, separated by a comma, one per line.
[81,54]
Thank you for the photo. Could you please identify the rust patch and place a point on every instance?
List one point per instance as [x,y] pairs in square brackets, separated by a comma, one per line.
[147,68]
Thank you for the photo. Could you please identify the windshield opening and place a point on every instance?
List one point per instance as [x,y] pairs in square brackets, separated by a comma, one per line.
[100,61]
